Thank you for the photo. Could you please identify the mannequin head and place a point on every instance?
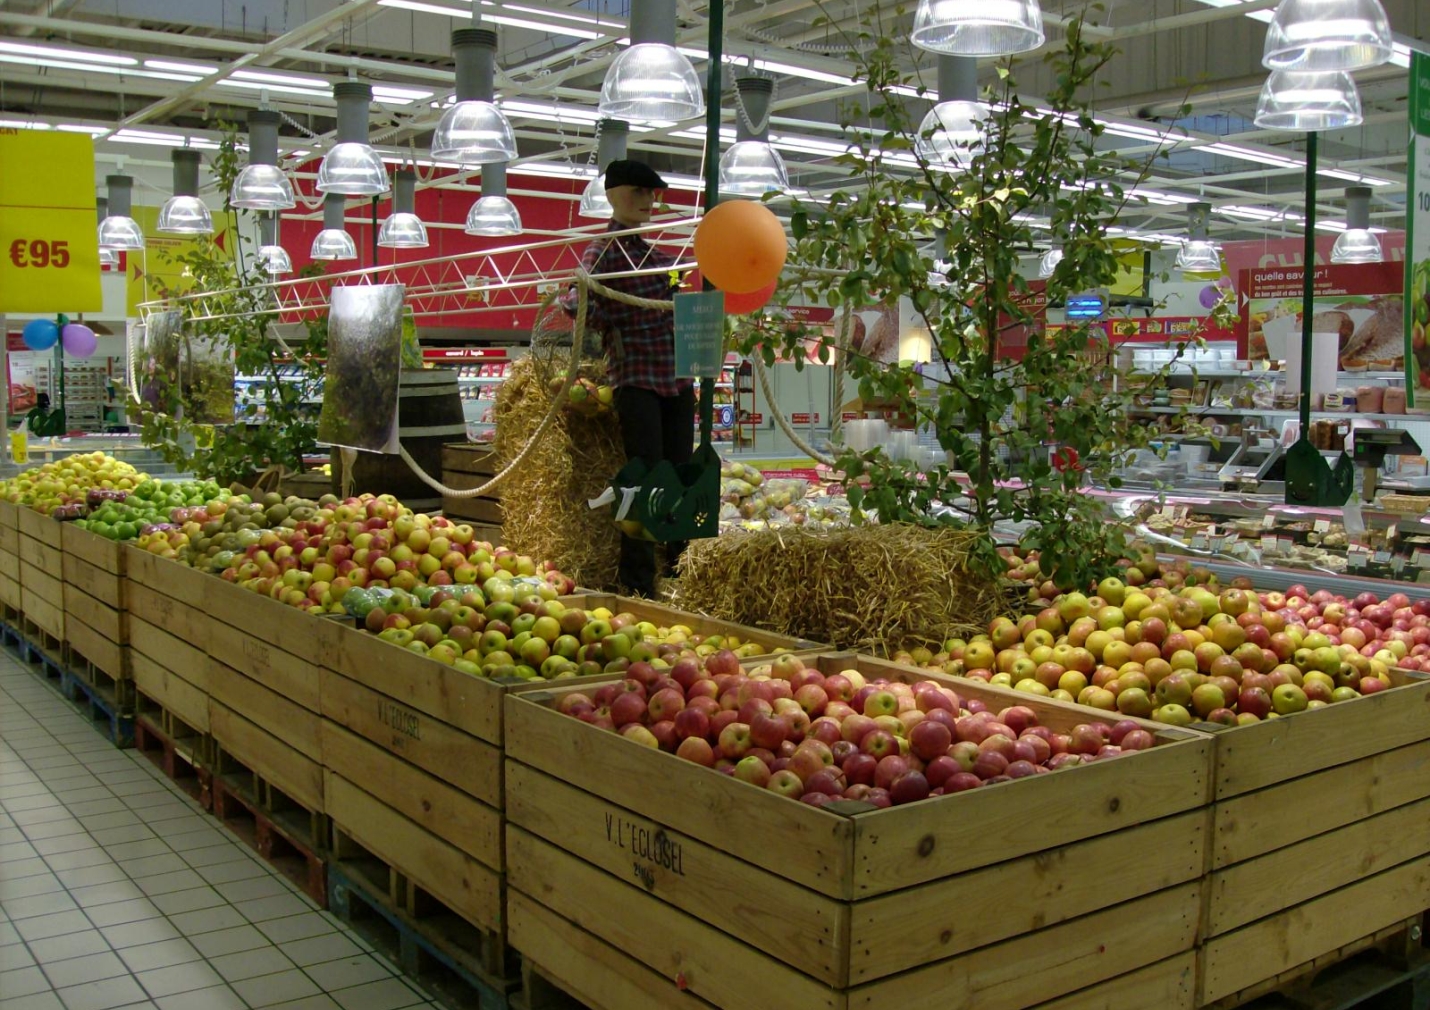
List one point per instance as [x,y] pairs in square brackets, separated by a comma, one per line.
[631,188]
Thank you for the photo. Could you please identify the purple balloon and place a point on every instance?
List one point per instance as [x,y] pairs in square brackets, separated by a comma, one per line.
[1209,296]
[79,340]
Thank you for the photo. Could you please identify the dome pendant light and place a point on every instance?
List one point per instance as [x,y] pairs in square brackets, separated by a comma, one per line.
[1357,244]
[184,213]
[1048,265]
[1314,36]
[652,82]
[493,216]
[952,132]
[1199,254]
[107,257]
[1308,102]
[978,27]
[751,167]
[333,242]
[262,185]
[273,259]
[352,167]
[118,230]
[403,229]
[610,146]
[474,131]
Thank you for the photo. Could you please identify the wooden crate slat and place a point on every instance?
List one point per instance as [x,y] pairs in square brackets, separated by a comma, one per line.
[164,576]
[484,510]
[600,976]
[424,799]
[811,847]
[1263,886]
[91,549]
[1293,936]
[186,699]
[1252,757]
[472,704]
[294,724]
[1166,985]
[37,526]
[1051,887]
[42,555]
[97,647]
[715,966]
[455,878]
[298,633]
[1035,967]
[800,927]
[291,771]
[458,758]
[289,675]
[1270,818]
[168,651]
[41,583]
[106,587]
[46,615]
[469,459]
[177,618]
[108,621]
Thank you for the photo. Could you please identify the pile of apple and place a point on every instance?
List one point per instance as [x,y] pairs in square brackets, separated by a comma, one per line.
[67,481]
[513,626]
[817,739]
[1232,657]
[1142,570]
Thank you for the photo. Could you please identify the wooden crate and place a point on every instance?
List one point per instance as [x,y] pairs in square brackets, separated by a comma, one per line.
[41,572]
[465,466]
[167,668]
[760,901]
[165,577]
[9,556]
[96,619]
[279,762]
[1343,790]
[662,616]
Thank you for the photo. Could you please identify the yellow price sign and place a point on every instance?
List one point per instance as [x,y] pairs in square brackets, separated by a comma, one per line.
[49,246]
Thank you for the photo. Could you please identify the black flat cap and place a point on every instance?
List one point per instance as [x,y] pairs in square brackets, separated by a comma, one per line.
[632,173]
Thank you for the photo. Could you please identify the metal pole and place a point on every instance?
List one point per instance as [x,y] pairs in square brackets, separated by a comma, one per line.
[1308,286]
[715,45]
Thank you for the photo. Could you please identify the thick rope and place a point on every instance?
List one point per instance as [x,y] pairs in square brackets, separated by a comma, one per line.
[780,419]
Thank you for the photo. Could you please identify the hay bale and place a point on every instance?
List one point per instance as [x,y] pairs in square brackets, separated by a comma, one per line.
[544,510]
[870,587]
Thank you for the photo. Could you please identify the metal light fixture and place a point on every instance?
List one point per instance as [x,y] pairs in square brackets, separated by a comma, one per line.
[751,167]
[1199,255]
[474,131]
[1308,103]
[493,216]
[262,185]
[333,242]
[978,27]
[107,257]
[118,230]
[652,82]
[952,131]
[403,229]
[610,146]
[184,213]
[1048,265]
[273,259]
[1312,36]
[352,167]
[1357,244]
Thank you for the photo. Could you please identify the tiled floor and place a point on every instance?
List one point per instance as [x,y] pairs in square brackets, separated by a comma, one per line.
[117,890]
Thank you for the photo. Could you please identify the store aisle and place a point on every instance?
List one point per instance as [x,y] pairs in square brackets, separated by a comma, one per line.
[117,890]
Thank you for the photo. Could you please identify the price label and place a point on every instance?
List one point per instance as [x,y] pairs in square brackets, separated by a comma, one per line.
[1323,526]
[1199,540]
[1268,521]
[1382,557]
[1169,511]
[1390,532]
[1357,557]
[1397,564]
[49,250]
[1270,544]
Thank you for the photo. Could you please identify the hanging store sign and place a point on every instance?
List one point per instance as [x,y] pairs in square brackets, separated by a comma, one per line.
[1417,241]
[49,244]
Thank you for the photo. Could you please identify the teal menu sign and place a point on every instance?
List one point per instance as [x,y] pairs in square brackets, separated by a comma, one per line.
[699,334]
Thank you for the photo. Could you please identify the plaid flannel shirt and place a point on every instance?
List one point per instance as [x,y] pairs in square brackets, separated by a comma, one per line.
[639,343]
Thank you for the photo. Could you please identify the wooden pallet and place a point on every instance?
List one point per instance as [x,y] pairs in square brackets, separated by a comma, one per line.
[628,844]
[434,946]
[39,648]
[285,832]
[113,720]
[184,754]
[120,686]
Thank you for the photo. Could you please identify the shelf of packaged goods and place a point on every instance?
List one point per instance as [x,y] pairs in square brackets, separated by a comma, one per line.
[481,379]
[1200,411]
[1188,371]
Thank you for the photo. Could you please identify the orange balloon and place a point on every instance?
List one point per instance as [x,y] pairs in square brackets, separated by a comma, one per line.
[740,246]
[738,304]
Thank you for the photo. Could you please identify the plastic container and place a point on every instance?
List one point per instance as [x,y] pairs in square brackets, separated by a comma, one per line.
[1370,399]
[1392,403]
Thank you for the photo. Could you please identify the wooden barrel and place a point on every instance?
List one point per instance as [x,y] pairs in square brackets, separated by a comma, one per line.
[429,416]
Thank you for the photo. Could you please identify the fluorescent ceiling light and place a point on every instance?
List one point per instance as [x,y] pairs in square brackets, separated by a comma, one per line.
[92,68]
[565,15]
[543,110]
[55,53]
[451,12]
[181,68]
[1365,180]
[272,78]
[1247,154]
[22,124]
[93,131]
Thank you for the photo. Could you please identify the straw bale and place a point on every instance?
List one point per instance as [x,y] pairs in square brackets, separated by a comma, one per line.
[544,511]
[883,587]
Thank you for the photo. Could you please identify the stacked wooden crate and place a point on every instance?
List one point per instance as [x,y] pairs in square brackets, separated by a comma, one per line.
[42,598]
[466,466]
[96,611]
[10,562]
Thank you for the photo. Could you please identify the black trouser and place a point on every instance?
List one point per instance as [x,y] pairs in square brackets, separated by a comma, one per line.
[653,428]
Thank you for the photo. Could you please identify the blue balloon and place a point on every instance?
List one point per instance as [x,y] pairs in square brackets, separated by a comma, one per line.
[40,334]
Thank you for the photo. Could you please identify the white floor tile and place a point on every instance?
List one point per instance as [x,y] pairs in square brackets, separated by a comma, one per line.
[39,1001]
[102,995]
[61,948]
[56,924]
[219,997]
[90,968]
[230,941]
[280,988]
[14,956]
[296,927]
[163,954]
[23,982]
[90,876]
[251,964]
[133,934]
[179,978]
[317,949]
[389,994]
[39,904]
[347,972]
